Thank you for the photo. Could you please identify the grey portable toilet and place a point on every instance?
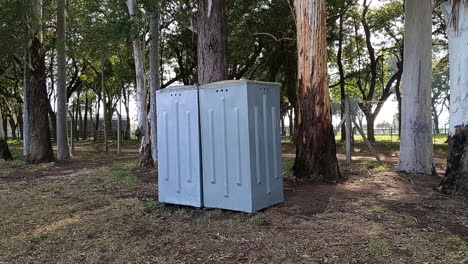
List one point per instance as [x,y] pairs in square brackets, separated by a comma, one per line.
[241,145]
[179,172]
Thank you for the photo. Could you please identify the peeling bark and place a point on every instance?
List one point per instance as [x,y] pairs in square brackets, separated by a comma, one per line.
[143,132]
[316,147]
[155,79]
[212,41]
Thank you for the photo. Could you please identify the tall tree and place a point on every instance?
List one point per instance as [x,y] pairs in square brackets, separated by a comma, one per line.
[315,147]
[4,150]
[212,41]
[40,145]
[143,132]
[155,79]
[104,107]
[416,153]
[456,176]
[339,62]
[63,150]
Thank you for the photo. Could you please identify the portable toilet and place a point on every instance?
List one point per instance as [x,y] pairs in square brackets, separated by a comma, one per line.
[179,168]
[241,145]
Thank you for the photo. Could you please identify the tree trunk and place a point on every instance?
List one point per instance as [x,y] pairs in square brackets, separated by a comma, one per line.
[40,146]
[52,118]
[212,41]
[342,76]
[370,118]
[398,96]
[4,122]
[291,123]
[26,95]
[4,150]
[76,121]
[85,122]
[96,125]
[155,79]
[104,108]
[456,177]
[436,122]
[19,119]
[416,153]
[109,115]
[315,142]
[128,124]
[283,128]
[73,115]
[143,132]
[13,127]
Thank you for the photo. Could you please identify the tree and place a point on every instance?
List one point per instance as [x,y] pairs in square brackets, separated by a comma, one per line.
[104,107]
[416,153]
[456,175]
[315,147]
[143,132]
[63,150]
[36,100]
[4,150]
[212,41]
[155,79]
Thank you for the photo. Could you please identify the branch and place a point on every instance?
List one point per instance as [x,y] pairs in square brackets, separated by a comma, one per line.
[270,35]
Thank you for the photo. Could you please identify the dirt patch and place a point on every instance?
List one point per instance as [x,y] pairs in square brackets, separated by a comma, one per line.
[102,208]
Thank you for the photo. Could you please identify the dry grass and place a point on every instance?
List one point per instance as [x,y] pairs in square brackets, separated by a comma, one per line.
[103,209]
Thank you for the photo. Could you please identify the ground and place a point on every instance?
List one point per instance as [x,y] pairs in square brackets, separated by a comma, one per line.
[102,208]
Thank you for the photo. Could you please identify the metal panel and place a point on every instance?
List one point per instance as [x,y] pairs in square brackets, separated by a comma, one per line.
[241,145]
[264,120]
[179,172]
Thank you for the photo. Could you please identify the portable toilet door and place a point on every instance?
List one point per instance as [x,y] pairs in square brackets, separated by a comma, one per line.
[179,164]
[241,145]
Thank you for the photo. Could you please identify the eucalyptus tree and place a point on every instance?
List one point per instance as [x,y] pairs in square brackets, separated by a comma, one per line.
[143,132]
[315,144]
[212,41]
[416,152]
[63,150]
[456,175]
[155,79]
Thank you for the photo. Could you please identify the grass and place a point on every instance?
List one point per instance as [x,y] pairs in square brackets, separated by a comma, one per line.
[449,241]
[55,188]
[214,214]
[378,210]
[382,167]
[288,164]
[378,247]
[260,219]
[118,176]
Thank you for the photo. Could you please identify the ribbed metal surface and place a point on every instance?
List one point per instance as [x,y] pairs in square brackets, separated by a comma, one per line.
[241,145]
[179,173]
